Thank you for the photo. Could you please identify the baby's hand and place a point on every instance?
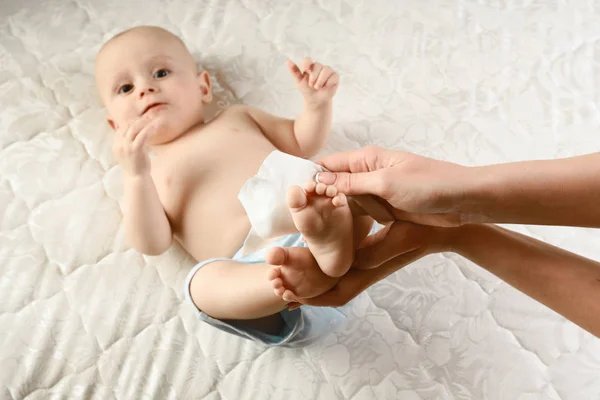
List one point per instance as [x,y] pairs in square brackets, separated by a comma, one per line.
[129,145]
[317,83]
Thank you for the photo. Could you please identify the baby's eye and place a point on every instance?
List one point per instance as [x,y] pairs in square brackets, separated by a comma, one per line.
[161,73]
[125,88]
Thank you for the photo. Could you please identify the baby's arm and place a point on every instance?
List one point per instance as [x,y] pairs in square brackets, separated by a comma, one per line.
[317,83]
[146,224]
[313,126]
[305,136]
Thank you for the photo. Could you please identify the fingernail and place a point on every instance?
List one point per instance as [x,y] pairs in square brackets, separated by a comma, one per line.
[327,178]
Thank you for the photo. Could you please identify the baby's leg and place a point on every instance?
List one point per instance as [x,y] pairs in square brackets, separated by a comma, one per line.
[295,274]
[325,221]
[230,290]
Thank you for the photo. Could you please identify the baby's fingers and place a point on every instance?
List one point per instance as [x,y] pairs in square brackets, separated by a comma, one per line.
[306,65]
[136,127]
[295,71]
[141,138]
[315,70]
[331,80]
[326,74]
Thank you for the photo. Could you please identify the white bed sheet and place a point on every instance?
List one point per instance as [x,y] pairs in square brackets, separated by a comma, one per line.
[83,316]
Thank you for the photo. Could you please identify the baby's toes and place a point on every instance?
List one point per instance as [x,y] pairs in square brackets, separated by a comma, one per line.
[309,187]
[273,273]
[279,291]
[339,200]
[320,188]
[276,283]
[276,256]
[288,295]
[296,198]
[330,191]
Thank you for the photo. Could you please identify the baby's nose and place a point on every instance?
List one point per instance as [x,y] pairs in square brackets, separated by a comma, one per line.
[146,90]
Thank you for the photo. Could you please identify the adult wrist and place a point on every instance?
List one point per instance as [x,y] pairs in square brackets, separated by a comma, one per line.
[477,192]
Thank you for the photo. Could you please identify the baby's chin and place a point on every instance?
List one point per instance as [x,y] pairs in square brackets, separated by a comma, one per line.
[165,131]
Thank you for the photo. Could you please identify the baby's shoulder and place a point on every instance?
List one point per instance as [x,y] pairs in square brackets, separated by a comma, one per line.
[237,116]
[235,111]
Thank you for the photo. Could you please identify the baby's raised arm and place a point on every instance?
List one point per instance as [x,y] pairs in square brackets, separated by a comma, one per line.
[307,134]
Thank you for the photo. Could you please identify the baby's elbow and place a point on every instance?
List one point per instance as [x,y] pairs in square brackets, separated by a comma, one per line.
[311,148]
[153,249]
[306,151]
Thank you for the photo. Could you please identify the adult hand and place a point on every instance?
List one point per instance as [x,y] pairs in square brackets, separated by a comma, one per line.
[418,189]
[380,255]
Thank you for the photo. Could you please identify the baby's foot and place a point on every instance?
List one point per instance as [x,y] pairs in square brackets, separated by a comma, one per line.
[295,273]
[323,217]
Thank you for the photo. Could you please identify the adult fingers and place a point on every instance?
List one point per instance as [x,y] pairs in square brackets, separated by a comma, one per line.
[365,159]
[390,242]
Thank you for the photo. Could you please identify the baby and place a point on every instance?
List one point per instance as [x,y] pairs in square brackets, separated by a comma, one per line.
[188,190]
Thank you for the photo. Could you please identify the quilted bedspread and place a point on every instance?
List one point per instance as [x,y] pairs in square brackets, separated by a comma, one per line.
[84,316]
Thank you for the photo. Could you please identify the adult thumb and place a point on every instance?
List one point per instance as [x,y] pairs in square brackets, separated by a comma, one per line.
[354,183]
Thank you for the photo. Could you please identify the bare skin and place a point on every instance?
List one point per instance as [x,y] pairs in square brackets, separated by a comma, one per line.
[297,274]
[320,214]
[446,197]
[325,221]
[187,190]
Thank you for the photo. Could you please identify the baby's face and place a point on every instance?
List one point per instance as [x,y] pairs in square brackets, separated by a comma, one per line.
[149,71]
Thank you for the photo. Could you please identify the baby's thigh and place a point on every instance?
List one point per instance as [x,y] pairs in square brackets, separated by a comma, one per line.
[208,290]
[203,286]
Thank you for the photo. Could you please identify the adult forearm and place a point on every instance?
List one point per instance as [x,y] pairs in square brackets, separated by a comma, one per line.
[565,282]
[146,223]
[313,126]
[550,192]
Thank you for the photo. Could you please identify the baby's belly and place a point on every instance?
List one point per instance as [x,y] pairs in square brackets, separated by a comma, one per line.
[206,216]
[213,226]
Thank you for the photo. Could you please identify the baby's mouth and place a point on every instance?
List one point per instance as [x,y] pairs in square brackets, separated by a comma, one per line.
[151,106]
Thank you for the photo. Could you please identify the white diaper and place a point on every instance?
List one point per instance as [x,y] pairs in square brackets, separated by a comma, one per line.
[263,197]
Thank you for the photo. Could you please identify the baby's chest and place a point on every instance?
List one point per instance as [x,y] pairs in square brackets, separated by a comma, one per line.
[209,174]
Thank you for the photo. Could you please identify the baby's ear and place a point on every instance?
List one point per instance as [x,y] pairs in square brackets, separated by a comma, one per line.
[205,86]
[112,124]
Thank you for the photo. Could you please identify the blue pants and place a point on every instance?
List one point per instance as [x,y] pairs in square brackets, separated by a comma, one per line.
[302,326]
